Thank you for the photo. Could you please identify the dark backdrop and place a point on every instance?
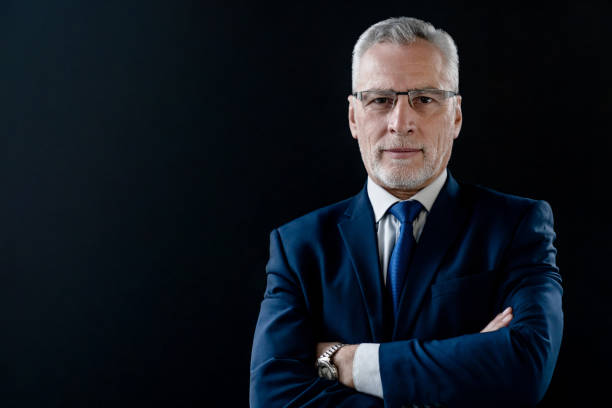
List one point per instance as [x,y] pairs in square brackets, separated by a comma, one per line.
[147,149]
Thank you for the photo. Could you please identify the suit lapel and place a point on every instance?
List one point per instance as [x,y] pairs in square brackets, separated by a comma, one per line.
[358,231]
[441,228]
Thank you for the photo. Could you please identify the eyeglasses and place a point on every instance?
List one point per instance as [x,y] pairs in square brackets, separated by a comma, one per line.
[423,101]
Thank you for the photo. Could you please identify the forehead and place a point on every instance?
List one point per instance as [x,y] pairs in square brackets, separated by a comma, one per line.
[401,66]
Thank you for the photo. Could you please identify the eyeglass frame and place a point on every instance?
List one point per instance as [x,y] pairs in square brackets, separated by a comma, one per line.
[447,94]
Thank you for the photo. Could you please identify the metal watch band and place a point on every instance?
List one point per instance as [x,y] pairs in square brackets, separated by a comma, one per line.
[330,351]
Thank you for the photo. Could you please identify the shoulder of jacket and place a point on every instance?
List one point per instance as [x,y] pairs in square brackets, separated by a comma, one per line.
[327,215]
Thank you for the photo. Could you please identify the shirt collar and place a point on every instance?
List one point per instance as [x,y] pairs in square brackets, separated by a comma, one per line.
[381,199]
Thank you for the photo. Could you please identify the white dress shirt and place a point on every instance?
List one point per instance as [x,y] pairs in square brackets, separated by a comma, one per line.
[366,370]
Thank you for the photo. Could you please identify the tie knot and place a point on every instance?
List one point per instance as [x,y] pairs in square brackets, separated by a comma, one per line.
[406,211]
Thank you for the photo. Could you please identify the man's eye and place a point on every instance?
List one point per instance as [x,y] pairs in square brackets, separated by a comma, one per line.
[423,100]
[381,100]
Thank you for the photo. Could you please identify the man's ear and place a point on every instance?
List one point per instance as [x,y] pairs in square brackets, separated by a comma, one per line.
[351,116]
[458,116]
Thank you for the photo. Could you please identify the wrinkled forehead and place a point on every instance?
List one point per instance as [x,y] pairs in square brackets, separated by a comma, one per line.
[401,67]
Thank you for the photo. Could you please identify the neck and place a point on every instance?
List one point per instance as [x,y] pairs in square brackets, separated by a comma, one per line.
[402,194]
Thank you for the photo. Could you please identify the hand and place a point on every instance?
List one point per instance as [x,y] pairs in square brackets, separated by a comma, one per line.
[500,321]
[342,359]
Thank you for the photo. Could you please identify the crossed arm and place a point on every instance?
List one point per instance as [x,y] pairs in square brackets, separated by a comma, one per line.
[343,358]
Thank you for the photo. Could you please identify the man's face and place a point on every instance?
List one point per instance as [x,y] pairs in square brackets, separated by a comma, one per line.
[404,150]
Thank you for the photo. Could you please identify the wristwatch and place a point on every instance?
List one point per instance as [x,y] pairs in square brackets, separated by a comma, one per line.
[325,367]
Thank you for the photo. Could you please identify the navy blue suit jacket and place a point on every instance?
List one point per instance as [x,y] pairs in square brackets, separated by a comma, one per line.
[480,251]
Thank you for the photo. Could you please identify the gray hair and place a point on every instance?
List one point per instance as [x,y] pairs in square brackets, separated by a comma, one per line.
[405,30]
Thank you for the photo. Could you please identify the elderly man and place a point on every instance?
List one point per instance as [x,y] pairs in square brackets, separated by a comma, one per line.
[419,290]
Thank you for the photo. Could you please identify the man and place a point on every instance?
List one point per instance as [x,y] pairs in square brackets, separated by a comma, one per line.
[386,299]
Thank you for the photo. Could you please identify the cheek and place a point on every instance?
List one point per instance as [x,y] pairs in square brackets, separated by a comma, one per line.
[368,135]
[445,143]
[445,133]
[372,132]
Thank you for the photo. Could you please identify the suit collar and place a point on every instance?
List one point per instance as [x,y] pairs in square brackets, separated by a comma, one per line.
[358,231]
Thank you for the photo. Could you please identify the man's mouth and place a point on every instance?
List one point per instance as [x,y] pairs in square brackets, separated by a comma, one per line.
[401,152]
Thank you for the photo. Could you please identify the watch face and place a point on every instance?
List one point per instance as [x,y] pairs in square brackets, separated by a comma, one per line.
[327,371]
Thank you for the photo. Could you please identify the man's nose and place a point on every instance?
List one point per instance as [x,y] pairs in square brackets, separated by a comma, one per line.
[402,118]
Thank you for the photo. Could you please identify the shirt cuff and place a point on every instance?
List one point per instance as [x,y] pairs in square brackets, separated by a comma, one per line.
[366,371]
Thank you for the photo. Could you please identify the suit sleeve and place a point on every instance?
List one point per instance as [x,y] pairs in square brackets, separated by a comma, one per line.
[283,356]
[512,366]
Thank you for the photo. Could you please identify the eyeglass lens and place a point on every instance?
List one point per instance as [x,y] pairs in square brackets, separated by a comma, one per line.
[422,101]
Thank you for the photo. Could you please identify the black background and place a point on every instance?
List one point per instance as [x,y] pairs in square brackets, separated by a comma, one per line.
[148,148]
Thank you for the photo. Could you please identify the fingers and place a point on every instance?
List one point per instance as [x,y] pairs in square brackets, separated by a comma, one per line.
[500,321]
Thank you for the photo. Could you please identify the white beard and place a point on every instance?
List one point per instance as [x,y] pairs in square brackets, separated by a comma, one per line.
[404,178]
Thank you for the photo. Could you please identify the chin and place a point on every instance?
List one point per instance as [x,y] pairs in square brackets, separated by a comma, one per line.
[405,179]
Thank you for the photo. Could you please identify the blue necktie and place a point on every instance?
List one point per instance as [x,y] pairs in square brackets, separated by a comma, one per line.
[405,212]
